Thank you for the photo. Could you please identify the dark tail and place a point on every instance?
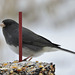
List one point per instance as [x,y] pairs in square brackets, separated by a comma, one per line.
[66,50]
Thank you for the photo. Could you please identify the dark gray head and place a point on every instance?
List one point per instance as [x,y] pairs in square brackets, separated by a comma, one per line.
[8,22]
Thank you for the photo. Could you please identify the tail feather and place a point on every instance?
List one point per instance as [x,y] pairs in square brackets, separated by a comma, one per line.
[66,50]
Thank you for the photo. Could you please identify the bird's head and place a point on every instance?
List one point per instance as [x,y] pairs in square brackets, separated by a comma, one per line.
[7,22]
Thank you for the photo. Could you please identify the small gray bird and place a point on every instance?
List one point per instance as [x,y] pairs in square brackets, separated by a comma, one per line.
[32,44]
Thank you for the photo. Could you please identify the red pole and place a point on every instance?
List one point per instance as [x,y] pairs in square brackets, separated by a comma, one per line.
[20,36]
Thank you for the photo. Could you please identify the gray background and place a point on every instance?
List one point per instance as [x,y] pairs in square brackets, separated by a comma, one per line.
[53,19]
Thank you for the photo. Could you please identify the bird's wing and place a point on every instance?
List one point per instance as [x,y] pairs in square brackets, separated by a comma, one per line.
[31,38]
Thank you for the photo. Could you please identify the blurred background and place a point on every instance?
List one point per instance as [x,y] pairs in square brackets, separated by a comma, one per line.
[52,19]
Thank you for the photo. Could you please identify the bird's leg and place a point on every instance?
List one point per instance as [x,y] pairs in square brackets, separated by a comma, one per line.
[30,57]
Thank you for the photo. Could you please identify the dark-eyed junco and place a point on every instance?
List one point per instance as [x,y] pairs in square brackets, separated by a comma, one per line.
[32,44]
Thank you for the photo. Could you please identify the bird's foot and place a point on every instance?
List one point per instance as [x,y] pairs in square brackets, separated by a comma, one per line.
[28,58]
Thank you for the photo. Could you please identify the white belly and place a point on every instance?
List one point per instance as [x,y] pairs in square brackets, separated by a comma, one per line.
[27,52]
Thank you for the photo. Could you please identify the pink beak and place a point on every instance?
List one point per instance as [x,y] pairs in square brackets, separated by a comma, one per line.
[2,25]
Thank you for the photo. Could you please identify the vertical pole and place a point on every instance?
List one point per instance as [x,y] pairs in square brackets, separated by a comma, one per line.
[20,36]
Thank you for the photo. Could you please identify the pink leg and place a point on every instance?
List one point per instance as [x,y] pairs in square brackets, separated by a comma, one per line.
[30,57]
